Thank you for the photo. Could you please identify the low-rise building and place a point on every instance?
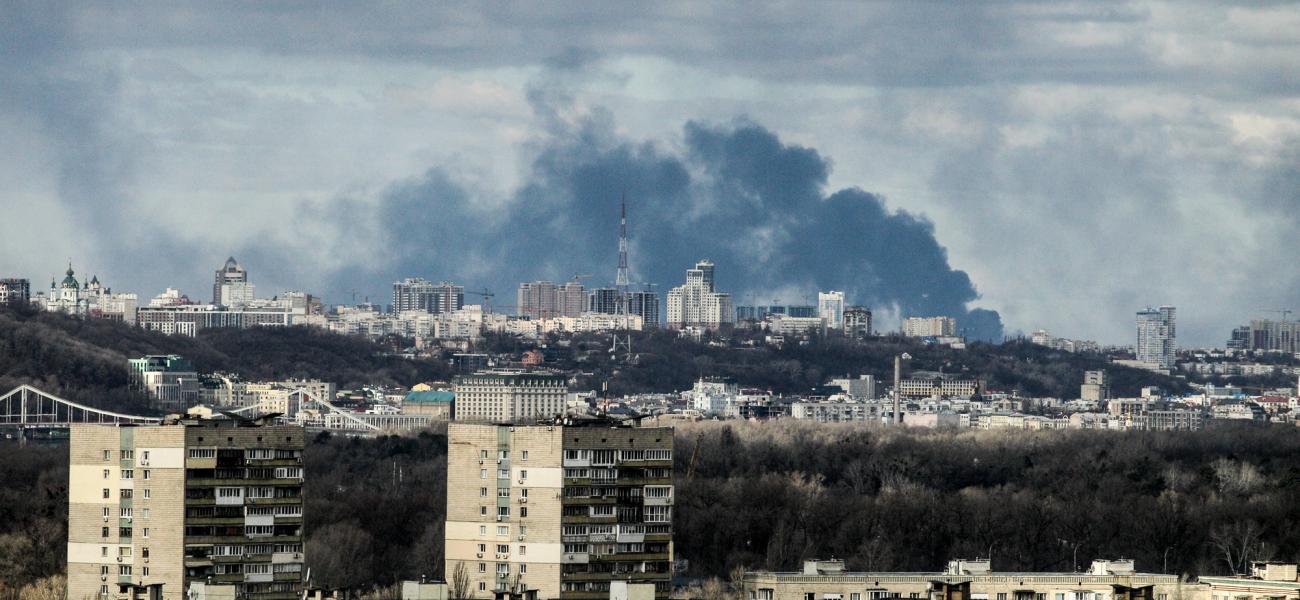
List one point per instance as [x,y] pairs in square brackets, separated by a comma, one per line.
[170,381]
[962,580]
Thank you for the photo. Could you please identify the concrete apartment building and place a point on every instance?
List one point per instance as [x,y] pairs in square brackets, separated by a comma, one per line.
[698,303]
[153,508]
[1157,337]
[941,388]
[857,322]
[563,511]
[506,396]
[963,580]
[929,326]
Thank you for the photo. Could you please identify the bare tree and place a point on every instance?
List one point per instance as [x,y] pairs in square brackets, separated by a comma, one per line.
[459,588]
[1237,544]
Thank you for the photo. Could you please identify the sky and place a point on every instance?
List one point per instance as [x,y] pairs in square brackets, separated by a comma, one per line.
[1018,165]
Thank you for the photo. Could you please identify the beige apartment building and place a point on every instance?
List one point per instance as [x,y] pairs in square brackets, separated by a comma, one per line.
[564,511]
[153,508]
[966,580]
[507,396]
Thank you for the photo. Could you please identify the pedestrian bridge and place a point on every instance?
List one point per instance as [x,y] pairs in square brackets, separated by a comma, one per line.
[29,408]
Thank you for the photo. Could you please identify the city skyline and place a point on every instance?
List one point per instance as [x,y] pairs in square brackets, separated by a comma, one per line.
[1061,165]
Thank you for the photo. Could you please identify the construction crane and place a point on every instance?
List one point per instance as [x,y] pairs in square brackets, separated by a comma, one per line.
[1282,311]
[578,277]
[486,295]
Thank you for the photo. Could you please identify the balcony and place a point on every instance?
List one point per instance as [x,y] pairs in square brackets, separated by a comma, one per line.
[574,558]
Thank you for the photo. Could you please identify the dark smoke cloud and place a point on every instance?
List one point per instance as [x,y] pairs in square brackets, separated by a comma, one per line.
[735,194]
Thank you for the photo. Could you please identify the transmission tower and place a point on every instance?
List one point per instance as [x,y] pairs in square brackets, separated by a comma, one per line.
[622,332]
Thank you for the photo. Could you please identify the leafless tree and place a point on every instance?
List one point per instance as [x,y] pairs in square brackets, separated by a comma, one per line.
[459,588]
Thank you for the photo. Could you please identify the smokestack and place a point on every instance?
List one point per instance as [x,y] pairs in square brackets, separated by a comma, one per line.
[898,393]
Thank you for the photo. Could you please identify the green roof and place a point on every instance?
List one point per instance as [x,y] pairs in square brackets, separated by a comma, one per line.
[430,397]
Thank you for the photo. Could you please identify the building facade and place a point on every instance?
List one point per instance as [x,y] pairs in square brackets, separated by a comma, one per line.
[1095,388]
[547,299]
[230,285]
[502,396]
[830,307]
[15,291]
[963,580]
[1157,339]
[170,381]
[564,511]
[698,303]
[153,508]
[857,322]
[929,326]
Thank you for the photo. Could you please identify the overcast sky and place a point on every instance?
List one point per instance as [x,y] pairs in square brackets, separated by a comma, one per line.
[1061,164]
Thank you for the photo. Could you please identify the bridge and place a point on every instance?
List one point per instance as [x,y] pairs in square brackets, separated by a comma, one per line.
[26,407]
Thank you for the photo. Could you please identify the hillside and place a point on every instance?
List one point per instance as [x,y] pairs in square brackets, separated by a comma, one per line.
[86,359]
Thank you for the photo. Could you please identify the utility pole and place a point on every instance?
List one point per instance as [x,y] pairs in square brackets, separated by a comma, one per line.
[898,393]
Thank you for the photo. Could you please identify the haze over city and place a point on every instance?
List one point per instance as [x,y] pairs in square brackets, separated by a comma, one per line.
[1061,165]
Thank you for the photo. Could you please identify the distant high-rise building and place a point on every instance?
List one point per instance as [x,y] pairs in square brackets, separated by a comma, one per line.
[644,304]
[419,294]
[603,300]
[231,286]
[547,299]
[1157,336]
[153,509]
[830,307]
[447,297]
[697,303]
[1272,336]
[412,293]
[857,322]
[1240,338]
[929,326]
[560,511]
[15,291]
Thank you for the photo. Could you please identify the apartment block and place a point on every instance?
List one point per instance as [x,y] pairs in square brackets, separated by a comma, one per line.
[560,511]
[506,396]
[153,508]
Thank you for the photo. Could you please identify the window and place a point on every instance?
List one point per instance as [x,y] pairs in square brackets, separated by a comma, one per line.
[482,511]
[482,529]
[809,596]
[504,511]
[525,455]
[124,511]
[103,550]
[144,456]
[523,474]
[144,513]
[523,512]
[503,530]
[523,569]
[106,493]
[503,454]
[146,473]
[482,567]
[108,455]
[203,452]
[503,473]
[855,596]
[103,589]
[106,511]
[523,493]
[523,530]
[523,550]
[103,570]
[126,493]
[482,548]
[503,568]
[482,454]
[482,587]
[503,549]
[128,474]
[128,454]
[482,492]
[482,473]
[103,532]
[145,571]
[145,531]
[663,514]
[146,493]
[503,492]
[1002,596]
[144,552]
[124,569]
[105,473]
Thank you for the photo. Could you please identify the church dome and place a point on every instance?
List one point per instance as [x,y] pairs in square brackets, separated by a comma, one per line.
[70,281]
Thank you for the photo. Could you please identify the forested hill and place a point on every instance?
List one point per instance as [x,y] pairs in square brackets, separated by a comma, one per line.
[86,359]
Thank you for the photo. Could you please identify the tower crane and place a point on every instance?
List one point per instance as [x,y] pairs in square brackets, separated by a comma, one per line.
[486,295]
